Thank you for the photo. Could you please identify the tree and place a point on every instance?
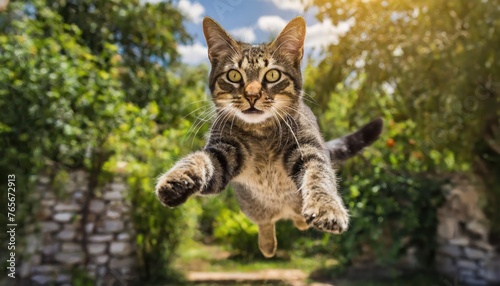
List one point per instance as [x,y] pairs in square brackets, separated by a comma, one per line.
[85,84]
[433,62]
[432,68]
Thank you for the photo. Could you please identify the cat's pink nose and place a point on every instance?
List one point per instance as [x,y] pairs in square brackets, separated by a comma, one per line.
[253,91]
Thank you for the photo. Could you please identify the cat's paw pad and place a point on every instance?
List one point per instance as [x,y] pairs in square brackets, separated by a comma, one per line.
[175,187]
[328,217]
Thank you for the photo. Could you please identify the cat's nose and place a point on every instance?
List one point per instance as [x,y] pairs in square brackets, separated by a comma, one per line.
[253,91]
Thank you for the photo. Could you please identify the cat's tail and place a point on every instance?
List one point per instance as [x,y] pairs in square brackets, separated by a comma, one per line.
[349,145]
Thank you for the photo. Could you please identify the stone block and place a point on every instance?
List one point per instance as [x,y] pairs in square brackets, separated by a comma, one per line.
[448,227]
[465,264]
[483,245]
[124,236]
[100,238]
[78,196]
[49,226]
[71,247]
[25,270]
[71,226]
[89,227]
[120,187]
[96,248]
[63,278]
[474,281]
[101,259]
[63,217]
[96,206]
[460,241]
[474,253]
[110,226]
[477,228]
[45,269]
[65,207]
[101,271]
[35,259]
[47,203]
[32,243]
[49,195]
[112,214]
[43,180]
[41,280]
[451,250]
[120,248]
[69,258]
[113,196]
[50,249]
[66,235]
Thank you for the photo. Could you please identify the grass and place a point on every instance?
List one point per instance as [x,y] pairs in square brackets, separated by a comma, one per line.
[196,256]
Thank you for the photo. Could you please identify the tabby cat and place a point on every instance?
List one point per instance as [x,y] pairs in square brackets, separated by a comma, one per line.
[265,141]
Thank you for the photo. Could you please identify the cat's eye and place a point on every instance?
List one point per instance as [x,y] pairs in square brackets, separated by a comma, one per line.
[273,75]
[234,76]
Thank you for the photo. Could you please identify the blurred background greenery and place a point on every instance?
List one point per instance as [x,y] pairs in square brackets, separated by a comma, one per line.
[98,85]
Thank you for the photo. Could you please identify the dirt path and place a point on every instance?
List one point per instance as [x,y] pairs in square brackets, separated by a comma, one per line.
[292,277]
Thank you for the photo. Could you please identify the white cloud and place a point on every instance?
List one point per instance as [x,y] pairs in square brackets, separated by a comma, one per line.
[295,5]
[245,34]
[271,24]
[193,54]
[325,33]
[193,10]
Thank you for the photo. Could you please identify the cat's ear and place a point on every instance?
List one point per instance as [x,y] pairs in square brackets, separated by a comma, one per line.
[218,40]
[291,38]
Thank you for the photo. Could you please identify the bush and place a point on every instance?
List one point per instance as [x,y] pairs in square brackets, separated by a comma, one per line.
[236,231]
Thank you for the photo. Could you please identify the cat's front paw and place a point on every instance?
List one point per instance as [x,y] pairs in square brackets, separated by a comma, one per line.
[326,215]
[175,187]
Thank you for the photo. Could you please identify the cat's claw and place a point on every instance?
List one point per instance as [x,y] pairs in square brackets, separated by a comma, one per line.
[328,217]
[174,188]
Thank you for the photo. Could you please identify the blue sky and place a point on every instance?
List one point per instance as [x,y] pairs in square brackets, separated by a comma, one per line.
[253,21]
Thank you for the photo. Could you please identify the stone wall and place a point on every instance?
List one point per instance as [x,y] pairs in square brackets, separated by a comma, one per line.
[463,248]
[59,243]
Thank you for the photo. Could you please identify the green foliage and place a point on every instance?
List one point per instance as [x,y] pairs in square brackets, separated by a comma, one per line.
[440,72]
[234,229]
[80,278]
[391,211]
[95,85]
[430,69]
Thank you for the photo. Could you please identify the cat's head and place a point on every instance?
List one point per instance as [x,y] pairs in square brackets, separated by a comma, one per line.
[256,82]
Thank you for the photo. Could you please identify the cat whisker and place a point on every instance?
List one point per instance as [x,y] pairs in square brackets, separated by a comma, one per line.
[227,116]
[293,134]
[199,124]
[311,100]
[288,115]
[204,106]
[198,101]
[278,124]
[201,119]
[231,128]
[313,124]
[223,114]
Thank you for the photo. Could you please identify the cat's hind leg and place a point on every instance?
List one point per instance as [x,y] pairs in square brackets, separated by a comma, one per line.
[267,239]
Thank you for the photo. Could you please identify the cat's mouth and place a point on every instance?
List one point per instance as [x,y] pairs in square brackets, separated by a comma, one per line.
[252,110]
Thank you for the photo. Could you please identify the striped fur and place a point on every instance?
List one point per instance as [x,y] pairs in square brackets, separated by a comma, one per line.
[265,140]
